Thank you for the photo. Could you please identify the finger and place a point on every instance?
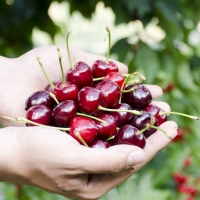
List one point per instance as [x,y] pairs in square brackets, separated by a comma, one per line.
[155,90]
[111,160]
[163,105]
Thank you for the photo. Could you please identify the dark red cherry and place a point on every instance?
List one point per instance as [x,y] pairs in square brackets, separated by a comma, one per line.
[40,114]
[101,68]
[141,121]
[39,98]
[85,127]
[89,99]
[111,91]
[156,111]
[121,118]
[66,92]
[80,75]
[116,77]
[106,130]
[138,99]
[64,112]
[99,144]
[127,134]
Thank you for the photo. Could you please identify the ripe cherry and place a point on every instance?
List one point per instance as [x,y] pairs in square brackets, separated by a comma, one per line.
[89,99]
[138,99]
[129,134]
[99,144]
[121,118]
[40,114]
[143,121]
[83,129]
[111,91]
[116,77]
[39,98]
[64,112]
[106,130]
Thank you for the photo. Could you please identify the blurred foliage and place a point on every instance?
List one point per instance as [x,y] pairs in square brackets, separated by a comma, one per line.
[173,63]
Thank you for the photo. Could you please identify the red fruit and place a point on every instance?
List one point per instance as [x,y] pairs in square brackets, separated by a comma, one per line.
[64,112]
[187,162]
[179,178]
[101,68]
[179,136]
[127,134]
[39,114]
[106,130]
[89,99]
[67,92]
[85,127]
[186,189]
[111,91]
[169,87]
[116,77]
[80,75]
[99,144]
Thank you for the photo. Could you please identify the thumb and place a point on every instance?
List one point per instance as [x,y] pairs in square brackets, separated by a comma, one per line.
[111,160]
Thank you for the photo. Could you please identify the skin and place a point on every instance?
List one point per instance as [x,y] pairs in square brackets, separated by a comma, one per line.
[50,159]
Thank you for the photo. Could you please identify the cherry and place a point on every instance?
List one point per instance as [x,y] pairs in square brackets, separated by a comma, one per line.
[138,99]
[116,77]
[39,98]
[83,129]
[89,99]
[40,114]
[111,91]
[156,111]
[121,118]
[129,134]
[106,130]
[101,68]
[144,120]
[99,144]
[80,74]
[64,112]
[48,88]
[69,91]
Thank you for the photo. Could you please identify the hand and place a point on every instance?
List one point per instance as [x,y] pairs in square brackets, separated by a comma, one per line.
[52,160]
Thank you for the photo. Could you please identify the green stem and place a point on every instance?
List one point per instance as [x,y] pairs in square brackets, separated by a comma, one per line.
[53,96]
[92,117]
[169,136]
[69,56]
[61,67]
[50,83]
[109,44]
[176,113]
[77,134]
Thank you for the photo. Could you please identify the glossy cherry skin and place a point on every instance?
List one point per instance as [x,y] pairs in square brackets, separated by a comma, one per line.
[116,77]
[106,130]
[80,75]
[39,98]
[100,144]
[40,114]
[100,68]
[121,118]
[64,112]
[138,99]
[111,91]
[86,127]
[89,99]
[156,111]
[67,92]
[141,121]
[127,134]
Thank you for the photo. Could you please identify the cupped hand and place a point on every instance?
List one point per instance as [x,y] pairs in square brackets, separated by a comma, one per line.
[20,77]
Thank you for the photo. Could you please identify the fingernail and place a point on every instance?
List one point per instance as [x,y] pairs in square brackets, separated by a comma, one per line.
[135,158]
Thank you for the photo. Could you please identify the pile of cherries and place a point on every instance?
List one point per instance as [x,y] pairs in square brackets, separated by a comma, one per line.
[97,105]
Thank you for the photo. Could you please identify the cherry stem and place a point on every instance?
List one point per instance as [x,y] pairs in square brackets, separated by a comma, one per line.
[98,79]
[77,134]
[47,77]
[69,56]
[118,110]
[133,89]
[61,67]
[92,117]
[142,78]
[53,96]
[169,136]
[24,120]
[110,138]
[176,113]
[109,41]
